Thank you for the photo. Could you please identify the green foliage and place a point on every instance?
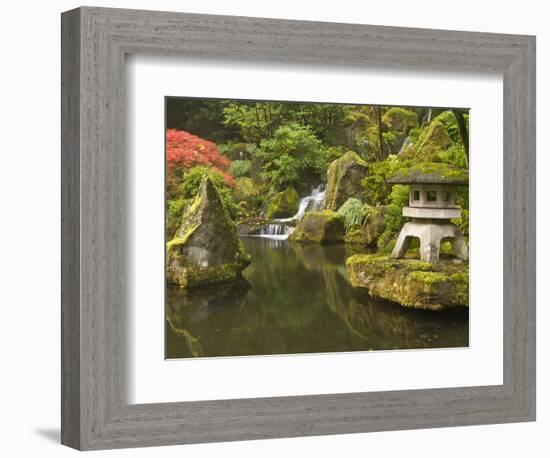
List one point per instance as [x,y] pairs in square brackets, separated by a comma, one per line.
[292,157]
[187,191]
[462,199]
[353,212]
[393,221]
[400,119]
[249,197]
[241,168]
[448,119]
[253,120]
[455,155]
[237,150]
[375,189]
[174,212]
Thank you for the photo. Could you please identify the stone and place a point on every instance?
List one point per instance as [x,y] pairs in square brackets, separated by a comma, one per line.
[206,249]
[283,204]
[372,227]
[431,235]
[251,226]
[411,283]
[319,227]
[432,141]
[399,122]
[344,177]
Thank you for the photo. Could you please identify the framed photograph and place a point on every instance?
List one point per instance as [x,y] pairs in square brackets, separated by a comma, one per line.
[277,228]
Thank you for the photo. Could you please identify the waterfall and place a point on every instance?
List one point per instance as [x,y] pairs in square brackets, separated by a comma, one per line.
[276,231]
[405,144]
[279,230]
[313,202]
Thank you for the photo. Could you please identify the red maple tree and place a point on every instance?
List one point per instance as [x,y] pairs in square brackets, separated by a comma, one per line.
[185,150]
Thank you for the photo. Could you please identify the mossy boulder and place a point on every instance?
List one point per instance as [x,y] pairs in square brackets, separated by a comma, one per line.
[398,122]
[432,141]
[344,177]
[206,249]
[283,204]
[371,229]
[319,227]
[409,282]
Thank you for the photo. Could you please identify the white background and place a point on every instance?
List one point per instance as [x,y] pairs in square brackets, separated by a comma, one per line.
[155,380]
[29,229]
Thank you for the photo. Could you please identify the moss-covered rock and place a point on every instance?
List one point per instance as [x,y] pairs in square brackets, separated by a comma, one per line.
[283,204]
[371,229]
[206,249]
[398,122]
[319,227]
[409,282]
[344,177]
[432,140]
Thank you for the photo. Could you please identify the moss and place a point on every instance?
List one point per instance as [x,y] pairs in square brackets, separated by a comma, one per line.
[426,277]
[344,177]
[411,283]
[206,249]
[190,277]
[283,204]
[400,119]
[319,227]
[372,227]
[432,171]
[432,140]
[355,235]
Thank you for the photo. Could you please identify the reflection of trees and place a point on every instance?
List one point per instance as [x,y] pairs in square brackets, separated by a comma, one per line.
[297,299]
[389,326]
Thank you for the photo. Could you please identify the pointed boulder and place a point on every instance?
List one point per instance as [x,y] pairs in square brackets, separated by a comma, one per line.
[206,249]
[344,178]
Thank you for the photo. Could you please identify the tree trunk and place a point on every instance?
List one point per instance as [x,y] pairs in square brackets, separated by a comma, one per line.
[380,136]
[463,129]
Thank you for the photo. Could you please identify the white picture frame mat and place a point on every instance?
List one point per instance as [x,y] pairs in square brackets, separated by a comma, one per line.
[154,379]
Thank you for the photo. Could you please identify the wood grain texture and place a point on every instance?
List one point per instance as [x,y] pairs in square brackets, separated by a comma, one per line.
[96,414]
[70,229]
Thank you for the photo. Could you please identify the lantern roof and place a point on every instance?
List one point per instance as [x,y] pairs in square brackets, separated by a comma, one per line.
[431,173]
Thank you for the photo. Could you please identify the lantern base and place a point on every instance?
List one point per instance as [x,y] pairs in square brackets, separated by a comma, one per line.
[431,235]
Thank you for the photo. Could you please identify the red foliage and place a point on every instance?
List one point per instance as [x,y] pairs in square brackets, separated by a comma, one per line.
[185,150]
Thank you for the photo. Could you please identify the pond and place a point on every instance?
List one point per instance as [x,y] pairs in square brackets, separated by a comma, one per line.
[295,298]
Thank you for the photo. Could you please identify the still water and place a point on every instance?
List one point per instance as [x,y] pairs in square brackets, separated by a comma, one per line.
[296,299]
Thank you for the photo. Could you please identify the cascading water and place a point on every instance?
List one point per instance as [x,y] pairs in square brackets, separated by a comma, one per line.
[276,231]
[405,144]
[313,202]
[280,230]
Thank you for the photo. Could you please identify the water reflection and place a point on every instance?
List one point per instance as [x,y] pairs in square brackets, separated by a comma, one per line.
[296,299]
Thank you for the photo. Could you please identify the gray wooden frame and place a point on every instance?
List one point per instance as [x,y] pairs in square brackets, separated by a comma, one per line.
[95,413]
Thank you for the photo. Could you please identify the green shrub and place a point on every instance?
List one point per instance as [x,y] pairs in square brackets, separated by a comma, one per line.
[448,119]
[190,185]
[237,151]
[293,156]
[400,119]
[463,201]
[455,155]
[376,191]
[353,213]
[174,213]
[393,222]
[241,168]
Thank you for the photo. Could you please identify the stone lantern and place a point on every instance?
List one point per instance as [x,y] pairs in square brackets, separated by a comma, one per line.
[431,207]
